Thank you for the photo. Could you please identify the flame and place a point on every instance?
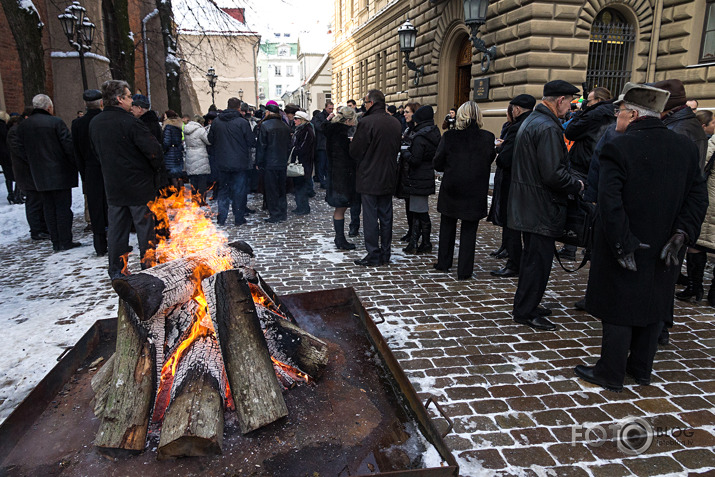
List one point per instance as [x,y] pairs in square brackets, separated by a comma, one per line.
[294,373]
[261,299]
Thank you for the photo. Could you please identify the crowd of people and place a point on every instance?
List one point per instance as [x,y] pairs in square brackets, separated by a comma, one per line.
[644,160]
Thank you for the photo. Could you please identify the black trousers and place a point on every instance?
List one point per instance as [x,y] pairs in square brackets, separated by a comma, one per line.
[57,207]
[377,226]
[511,239]
[627,346]
[97,205]
[467,242]
[34,212]
[355,210]
[121,219]
[534,272]
[275,191]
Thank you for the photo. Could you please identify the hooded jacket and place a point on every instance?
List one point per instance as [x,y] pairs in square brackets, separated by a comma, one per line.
[197,156]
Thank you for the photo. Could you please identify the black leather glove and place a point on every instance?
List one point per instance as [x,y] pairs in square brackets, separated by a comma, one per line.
[669,254]
[629,261]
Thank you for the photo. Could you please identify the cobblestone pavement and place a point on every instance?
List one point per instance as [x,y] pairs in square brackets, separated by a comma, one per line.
[516,405]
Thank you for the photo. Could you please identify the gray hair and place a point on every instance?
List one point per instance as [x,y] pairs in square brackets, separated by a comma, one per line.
[550,99]
[467,114]
[641,110]
[42,101]
[111,89]
[97,104]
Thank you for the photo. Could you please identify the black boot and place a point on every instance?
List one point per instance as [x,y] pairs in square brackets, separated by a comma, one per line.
[426,230]
[711,292]
[410,223]
[414,236]
[340,240]
[696,268]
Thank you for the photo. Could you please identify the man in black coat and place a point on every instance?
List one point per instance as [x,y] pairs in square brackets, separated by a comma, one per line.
[540,185]
[131,160]
[374,148]
[321,154]
[521,107]
[232,139]
[651,206]
[272,153]
[91,170]
[46,145]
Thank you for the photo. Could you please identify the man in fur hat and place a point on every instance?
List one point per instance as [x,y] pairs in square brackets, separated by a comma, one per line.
[651,206]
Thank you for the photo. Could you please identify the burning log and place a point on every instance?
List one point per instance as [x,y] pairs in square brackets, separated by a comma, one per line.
[311,353]
[254,386]
[159,288]
[193,423]
[126,413]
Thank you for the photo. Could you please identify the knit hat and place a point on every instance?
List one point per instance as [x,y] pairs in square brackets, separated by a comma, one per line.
[425,113]
[271,103]
[391,109]
[92,95]
[525,101]
[141,101]
[677,93]
[559,88]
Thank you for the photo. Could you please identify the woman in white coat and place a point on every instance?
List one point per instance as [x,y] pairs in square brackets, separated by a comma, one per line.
[197,157]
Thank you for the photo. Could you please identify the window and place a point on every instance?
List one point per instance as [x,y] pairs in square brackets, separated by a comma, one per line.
[277,70]
[279,90]
[610,52]
[708,51]
[289,71]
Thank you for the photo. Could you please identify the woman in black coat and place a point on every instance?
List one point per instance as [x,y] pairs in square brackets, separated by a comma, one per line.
[465,155]
[341,172]
[402,166]
[419,183]
[303,151]
[174,148]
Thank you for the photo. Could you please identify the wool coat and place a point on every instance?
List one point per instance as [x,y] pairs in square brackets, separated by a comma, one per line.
[273,146]
[232,140]
[465,156]
[375,147]
[707,231]
[643,197]
[341,167]
[303,147]
[87,163]
[419,178]
[197,156]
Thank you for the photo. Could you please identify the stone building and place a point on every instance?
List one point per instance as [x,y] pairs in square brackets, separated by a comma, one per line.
[588,43]
[278,67]
[315,73]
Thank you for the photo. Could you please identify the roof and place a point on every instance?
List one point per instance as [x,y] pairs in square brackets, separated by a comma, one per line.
[205,17]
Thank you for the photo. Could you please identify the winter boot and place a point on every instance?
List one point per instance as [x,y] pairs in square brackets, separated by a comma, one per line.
[696,268]
[711,292]
[426,229]
[340,240]
[415,235]
[410,221]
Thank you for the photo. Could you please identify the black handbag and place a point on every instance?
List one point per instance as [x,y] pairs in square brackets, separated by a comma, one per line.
[580,220]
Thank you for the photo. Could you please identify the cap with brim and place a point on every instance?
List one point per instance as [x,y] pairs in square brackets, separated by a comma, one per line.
[141,101]
[647,97]
[273,108]
[525,101]
[559,88]
[302,115]
[92,95]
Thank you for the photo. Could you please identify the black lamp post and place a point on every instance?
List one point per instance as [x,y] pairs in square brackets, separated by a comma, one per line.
[212,77]
[79,31]
[408,36]
[475,15]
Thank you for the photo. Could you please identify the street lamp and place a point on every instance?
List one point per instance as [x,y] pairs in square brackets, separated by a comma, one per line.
[475,15]
[79,31]
[240,94]
[407,34]
[211,77]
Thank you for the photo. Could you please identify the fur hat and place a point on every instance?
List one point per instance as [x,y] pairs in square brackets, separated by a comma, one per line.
[677,93]
[644,96]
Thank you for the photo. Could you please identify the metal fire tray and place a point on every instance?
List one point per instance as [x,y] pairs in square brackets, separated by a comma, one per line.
[362,418]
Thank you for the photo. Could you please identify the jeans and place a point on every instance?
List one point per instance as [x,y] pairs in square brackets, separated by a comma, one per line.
[234,192]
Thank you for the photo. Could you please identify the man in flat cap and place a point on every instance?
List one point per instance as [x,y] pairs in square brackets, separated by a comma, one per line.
[651,206]
[91,170]
[519,109]
[540,185]
[272,152]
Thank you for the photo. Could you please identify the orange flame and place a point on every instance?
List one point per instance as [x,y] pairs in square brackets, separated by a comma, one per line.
[294,373]
[260,298]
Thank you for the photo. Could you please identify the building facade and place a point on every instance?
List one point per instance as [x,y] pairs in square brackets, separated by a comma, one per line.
[588,43]
[315,73]
[278,67]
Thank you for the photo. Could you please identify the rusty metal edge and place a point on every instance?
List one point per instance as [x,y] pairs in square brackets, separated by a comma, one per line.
[34,404]
[416,407]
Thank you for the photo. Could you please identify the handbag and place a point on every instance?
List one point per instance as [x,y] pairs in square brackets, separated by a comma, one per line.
[295,168]
[580,220]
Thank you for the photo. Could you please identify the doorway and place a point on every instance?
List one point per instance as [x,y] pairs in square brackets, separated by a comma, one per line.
[463,76]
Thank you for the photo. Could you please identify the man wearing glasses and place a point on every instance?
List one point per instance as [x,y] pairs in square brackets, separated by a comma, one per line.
[374,148]
[131,159]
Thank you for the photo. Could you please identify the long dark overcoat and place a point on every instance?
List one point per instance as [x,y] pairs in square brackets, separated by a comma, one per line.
[419,179]
[465,156]
[644,196]
[341,167]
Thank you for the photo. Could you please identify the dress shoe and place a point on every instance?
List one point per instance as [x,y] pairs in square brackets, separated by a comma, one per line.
[537,322]
[273,220]
[587,373]
[639,380]
[543,311]
[241,221]
[365,262]
[504,273]
[439,268]
[664,337]
[68,246]
[503,255]
[353,232]
[464,277]
[580,305]
[40,236]
[497,251]
[301,212]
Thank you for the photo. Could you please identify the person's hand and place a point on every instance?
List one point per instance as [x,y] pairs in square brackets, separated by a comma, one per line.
[498,142]
[330,116]
[629,261]
[670,251]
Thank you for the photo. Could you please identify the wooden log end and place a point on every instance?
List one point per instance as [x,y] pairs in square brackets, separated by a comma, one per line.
[142,292]
[243,247]
[189,446]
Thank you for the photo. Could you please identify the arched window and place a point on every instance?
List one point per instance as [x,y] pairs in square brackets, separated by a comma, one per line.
[610,51]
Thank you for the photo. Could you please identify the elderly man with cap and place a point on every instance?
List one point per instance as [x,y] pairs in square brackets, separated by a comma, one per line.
[651,206]
[540,185]
[272,153]
[91,170]
[303,151]
[141,109]
[519,109]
